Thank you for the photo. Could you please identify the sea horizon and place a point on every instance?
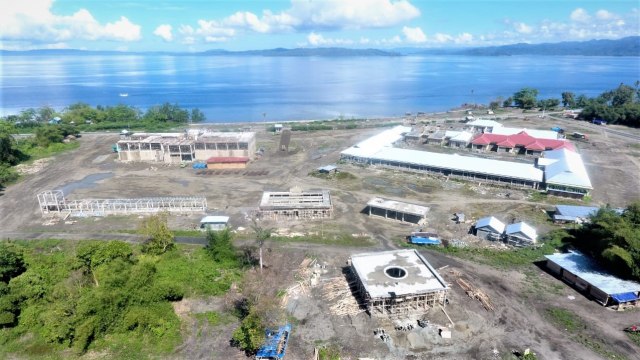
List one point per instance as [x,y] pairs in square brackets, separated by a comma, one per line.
[255,89]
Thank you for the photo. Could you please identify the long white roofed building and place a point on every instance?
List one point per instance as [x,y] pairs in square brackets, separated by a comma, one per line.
[561,172]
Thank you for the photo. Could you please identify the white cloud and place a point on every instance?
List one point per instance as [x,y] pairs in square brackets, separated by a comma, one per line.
[414,35]
[311,15]
[464,38]
[605,15]
[442,38]
[349,14]
[522,28]
[32,21]
[580,15]
[165,32]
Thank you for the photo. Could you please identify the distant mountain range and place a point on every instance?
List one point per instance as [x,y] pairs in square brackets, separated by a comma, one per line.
[628,46]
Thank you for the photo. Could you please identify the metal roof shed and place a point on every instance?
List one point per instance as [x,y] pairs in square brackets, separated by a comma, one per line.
[585,274]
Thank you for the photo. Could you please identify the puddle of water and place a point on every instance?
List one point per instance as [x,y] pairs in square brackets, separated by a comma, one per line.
[87,182]
[183,182]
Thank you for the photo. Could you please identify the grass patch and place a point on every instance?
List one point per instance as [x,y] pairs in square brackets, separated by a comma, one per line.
[37,152]
[504,259]
[327,239]
[214,318]
[189,233]
[635,337]
[571,323]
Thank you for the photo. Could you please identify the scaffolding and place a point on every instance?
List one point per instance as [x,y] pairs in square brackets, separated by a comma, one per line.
[396,283]
[53,202]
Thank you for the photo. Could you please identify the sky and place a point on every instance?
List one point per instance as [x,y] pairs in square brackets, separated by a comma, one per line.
[198,25]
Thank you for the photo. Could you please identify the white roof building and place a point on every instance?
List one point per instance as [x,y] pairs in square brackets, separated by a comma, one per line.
[373,144]
[564,169]
[483,123]
[214,220]
[491,223]
[456,162]
[461,136]
[522,231]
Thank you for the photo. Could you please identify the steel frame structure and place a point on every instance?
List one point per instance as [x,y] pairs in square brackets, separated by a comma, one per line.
[53,202]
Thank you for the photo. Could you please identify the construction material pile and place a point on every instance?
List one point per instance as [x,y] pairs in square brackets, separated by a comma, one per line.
[474,293]
[306,276]
[339,290]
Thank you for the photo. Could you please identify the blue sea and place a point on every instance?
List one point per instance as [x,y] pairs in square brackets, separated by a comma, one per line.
[255,88]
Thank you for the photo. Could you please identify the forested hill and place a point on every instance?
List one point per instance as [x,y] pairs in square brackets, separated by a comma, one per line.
[629,46]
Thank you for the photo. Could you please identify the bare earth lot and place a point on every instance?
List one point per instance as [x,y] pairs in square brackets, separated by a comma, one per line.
[520,297]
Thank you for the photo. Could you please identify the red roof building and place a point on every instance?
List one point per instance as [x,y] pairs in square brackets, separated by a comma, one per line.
[523,140]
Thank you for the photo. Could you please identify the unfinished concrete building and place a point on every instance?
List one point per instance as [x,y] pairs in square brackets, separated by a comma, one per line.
[194,145]
[296,205]
[398,282]
[396,210]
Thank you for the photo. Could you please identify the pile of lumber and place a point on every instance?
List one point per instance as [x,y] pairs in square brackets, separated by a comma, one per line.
[303,281]
[338,289]
[475,293]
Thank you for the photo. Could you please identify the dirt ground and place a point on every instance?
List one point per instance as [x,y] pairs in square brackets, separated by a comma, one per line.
[613,163]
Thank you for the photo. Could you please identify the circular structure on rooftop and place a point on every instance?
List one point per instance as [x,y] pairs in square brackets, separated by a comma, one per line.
[395,272]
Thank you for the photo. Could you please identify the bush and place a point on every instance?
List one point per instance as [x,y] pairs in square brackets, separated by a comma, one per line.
[250,335]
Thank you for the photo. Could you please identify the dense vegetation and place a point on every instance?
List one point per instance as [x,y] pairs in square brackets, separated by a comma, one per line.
[57,295]
[46,140]
[618,106]
[613,239]
[88,118]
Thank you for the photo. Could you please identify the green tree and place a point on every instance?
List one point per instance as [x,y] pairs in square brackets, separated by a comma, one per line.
[525,98]
[220,246]
[568,99]
[11,262]
[262,234]
[166,113]
[47,135]
[197,115]
[548,104]
[45,113]
[494,105]
[507,102]
[9,153]
[250,335]
[582,101]
[159,238]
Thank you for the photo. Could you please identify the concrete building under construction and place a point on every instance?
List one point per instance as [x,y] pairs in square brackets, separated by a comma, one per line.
[193,145]
[399,282]
[296,205]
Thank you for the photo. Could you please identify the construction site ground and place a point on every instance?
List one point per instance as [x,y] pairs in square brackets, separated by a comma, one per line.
[519,297]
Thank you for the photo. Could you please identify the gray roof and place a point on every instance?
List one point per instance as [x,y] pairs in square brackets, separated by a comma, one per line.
[576,211]
[587,269]
[399,206]
[580,211]
[492,222]
[420,277]
[522,228]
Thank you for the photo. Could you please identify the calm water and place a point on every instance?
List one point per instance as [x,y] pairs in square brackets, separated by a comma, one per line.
[230,89]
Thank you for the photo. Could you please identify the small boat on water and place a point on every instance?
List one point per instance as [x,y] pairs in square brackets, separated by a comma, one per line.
[124,94]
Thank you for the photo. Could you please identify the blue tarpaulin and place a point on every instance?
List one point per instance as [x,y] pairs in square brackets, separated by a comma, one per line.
[624,297]
[424,240]
[275,343]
